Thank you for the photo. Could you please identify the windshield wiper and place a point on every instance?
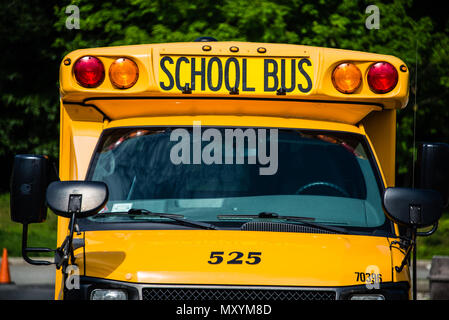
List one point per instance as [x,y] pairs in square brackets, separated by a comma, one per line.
[175,217]
[272,215]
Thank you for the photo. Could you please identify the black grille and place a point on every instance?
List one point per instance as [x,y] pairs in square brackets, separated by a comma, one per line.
[225,294]
[281,227]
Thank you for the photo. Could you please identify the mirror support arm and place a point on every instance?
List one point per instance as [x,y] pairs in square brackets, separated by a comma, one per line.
[66,249]
[414,281]
[411,247]
[430,232]
[406,257]
[62,253]
[26,250]
[70,246]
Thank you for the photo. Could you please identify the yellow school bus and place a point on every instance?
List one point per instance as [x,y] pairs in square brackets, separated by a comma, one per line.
[230,171]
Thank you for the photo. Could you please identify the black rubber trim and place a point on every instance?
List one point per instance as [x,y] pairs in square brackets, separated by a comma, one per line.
[390,290]
[86,101]
[88,284]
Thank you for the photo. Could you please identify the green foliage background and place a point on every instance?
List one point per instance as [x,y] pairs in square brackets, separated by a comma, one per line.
[34,38]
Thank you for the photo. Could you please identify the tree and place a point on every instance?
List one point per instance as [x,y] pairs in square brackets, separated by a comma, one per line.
[403,32]
[35,38]
[28,82]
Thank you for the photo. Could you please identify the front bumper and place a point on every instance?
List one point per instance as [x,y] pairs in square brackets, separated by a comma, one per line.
[162,292]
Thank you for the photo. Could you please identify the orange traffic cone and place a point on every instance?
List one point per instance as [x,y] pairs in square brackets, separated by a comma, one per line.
[5,278]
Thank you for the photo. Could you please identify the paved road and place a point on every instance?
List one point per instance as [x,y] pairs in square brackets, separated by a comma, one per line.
[26,292]
[29,282]
[422,274]
[37,282]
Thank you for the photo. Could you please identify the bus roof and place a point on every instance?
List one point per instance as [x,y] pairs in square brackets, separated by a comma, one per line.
[230,71]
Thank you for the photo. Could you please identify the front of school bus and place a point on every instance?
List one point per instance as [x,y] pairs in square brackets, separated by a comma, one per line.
[234,171]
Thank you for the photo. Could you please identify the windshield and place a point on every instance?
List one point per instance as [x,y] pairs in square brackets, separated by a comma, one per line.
[231,175]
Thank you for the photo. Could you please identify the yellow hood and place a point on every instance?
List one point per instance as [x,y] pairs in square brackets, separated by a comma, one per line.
[286,259]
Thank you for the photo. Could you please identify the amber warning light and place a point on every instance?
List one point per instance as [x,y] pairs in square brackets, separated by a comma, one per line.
[346,78]
[123,73]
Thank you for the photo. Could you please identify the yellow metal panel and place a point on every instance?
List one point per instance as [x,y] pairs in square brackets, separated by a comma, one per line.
[148,59]
[346,113]
[232,121]
[397,255]
[77,143]
[381,129]
[83,113]
[287,259]
[84,138]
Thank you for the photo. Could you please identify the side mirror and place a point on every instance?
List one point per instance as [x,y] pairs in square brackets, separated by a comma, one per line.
[433,168]
[29,181]
[417,208]
[79,198]
[74,199]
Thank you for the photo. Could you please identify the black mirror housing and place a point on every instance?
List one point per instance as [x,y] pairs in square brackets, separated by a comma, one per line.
[82,198]
[433,168]
[413,207]
[29,181]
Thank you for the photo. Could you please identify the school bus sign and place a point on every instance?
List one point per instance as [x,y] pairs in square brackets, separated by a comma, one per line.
[235,75]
